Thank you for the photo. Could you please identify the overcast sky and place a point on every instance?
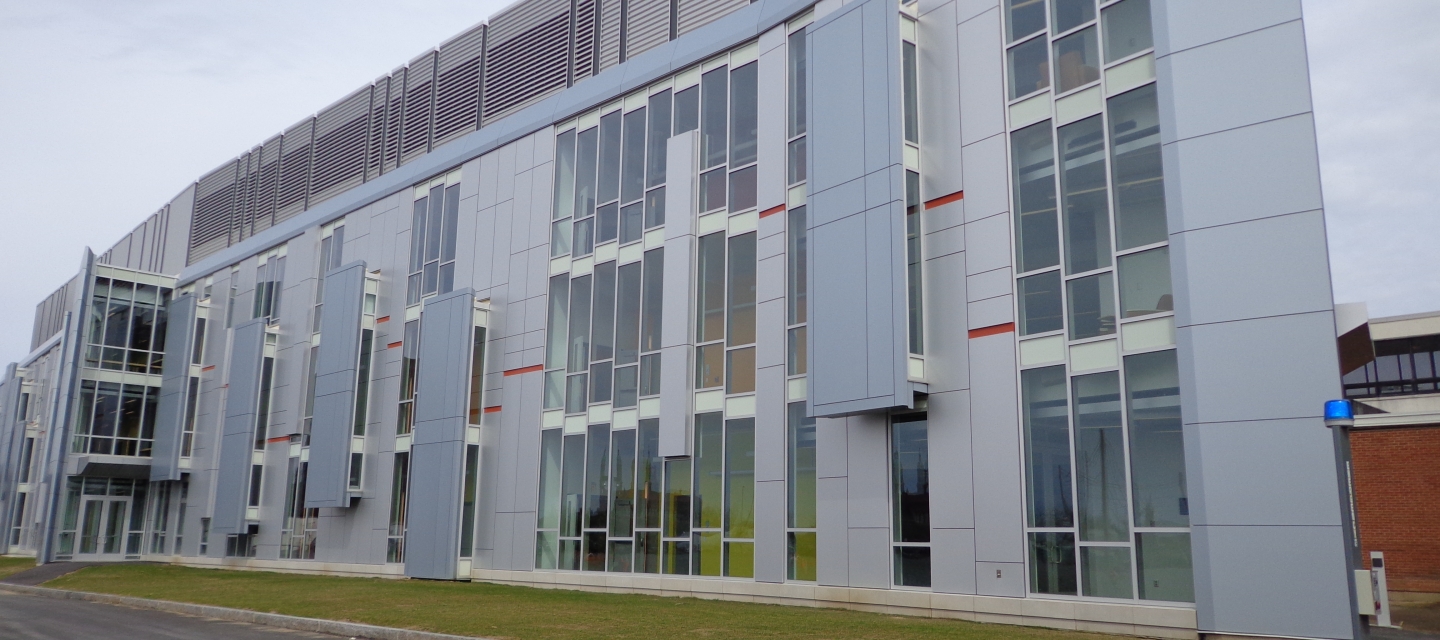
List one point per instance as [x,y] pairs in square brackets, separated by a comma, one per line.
[111,108]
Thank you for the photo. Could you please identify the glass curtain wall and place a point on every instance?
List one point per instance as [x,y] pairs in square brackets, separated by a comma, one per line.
[126,326]
[1106,511]
[433,221]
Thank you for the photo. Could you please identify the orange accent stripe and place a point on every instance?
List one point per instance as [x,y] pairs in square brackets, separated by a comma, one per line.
[207,368]
[392,345]
[772,210]
[279,439]
[523,370]
[944,200]
[382,319]
[996,330]
[495,409]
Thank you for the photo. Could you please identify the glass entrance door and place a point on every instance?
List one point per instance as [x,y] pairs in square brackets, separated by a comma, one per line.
[103,524]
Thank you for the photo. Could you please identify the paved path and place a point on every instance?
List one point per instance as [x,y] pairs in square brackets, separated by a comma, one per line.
[41,574]
[33,618]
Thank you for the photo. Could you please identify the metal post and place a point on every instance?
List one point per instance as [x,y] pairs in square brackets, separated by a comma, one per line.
[1340,417]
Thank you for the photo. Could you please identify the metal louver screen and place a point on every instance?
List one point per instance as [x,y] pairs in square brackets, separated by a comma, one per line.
[586,40]
[419,100]
[394,110]
[267,184]
[610,22]
[294,170]
[214,203]
[697,13]
[375,141]
[649,26]
[457,91]
[526,56]
[340,132]
[243,216]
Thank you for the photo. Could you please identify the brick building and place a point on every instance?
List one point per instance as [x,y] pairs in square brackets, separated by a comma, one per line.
[1396,449]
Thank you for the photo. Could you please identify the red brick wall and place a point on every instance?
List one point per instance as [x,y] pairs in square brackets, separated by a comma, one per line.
[1397,494]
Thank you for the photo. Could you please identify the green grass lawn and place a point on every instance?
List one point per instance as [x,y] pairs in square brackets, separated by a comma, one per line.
[14,564]
[516,612]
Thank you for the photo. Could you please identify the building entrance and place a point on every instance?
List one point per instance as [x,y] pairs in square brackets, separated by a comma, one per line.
[104,520]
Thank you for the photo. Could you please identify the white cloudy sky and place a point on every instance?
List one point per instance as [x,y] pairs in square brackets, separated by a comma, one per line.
[108,109]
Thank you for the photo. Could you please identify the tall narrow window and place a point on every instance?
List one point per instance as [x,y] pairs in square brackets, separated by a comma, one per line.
[547,514]
[399,507]
[1036,229]
[800,484]
[1084,197]
[913,272]
[469,500]
[409,368]
[714,88]
[910,499]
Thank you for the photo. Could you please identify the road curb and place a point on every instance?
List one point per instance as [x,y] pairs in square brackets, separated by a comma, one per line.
[295,623]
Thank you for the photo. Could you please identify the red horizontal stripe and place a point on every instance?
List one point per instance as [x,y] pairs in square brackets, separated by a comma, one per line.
[207,368]
[279,439]
[996,330]
[392,345]
[495,409]
[944,200]
[772,210]
[382,319]
[523,370]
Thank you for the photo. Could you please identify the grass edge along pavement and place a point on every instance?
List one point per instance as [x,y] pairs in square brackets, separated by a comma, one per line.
[11,565]
[503,611]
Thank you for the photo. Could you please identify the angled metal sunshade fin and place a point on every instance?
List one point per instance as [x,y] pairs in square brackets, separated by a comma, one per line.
[336,368]
[237,438]
[268,185]
[586,40]
[437,455]
[174,389]
[394,112]
[858,349]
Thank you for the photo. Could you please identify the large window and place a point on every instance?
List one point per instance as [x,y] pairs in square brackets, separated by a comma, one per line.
[433,238]
[1106,512]
[1401,367]
[269,285]
[126,327]
[800,482]
[910,499]
[115,419]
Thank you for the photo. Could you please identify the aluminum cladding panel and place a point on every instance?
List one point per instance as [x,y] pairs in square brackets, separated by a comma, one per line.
[336,363]
[442,382]
[858,347]
[232,480]
[174,389]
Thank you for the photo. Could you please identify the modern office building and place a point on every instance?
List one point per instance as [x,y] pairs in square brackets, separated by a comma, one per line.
[1007,310]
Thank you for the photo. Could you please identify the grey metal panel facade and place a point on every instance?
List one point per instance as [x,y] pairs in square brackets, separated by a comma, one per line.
[174,389]
[856,257]
[437,455]
[676,322]
[232,478]
[336,364]
[1222,116]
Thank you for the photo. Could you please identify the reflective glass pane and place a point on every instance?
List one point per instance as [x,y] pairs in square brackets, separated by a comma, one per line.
[1047,447]
[587,145]
[1092,306]
[743,189]
[1084,196]
[564,175]
[796,83]
[1127,29]
[1157,447]
[1029,67]
[740,298]
[710,278]
[740,478]
[1145,283]
[1024,17]
[1135,159]
[608,181]
[740,370]
[744,118]
[1077,60]
[801,556]
[714,87]
[1106,571]
[572,485]
[632,163]
[910,479]
[1040,303]
[912,566]
[709,366]
[1052,563]
[658,139]
[709,459]
[1037,233]
[1164,567]
[1100,485]
[1068,14]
